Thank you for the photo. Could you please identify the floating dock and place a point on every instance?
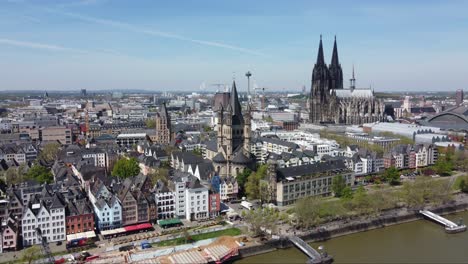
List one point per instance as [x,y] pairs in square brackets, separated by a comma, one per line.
[314,256]
[450,227]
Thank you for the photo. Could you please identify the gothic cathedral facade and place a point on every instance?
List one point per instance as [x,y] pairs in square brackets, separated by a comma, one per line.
[330,103]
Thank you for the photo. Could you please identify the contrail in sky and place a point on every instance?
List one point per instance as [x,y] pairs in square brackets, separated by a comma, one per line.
[36,45]
[147,31]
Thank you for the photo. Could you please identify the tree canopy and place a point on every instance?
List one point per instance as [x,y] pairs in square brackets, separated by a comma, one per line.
[252,186]
[125,168]
[261,218]
[338,185]
[242,179]
[150,123]
[160,173]
[49,152]
[392,176]
[40,174]
[30,254]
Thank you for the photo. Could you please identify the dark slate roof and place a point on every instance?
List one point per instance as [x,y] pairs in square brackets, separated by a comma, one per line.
[57,202]
[219,158]
[205,169]
[193,182]
[161,187]
[310,169]
[212,145]
[274,156]
[240,158]
[418,110]
[280,142]
[188,157]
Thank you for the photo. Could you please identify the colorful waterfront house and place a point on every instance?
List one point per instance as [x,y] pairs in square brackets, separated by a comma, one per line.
[10,234]
[108,213]
[214,203]
[79,217]
[228,188]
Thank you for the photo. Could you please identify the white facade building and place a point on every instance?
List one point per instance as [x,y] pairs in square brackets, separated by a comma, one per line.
[49,219]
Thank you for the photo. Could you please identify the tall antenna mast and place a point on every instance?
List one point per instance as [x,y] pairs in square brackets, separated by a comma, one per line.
[248,74]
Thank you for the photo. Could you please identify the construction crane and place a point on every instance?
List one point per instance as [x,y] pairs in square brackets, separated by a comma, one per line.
[219,86]
[45,247]
[263,95]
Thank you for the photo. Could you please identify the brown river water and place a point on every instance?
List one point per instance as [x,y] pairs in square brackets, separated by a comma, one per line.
[420,241]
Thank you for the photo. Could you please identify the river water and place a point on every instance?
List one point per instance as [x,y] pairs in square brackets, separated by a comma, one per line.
[416,242]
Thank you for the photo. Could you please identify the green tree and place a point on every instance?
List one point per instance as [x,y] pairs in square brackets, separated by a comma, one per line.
[392,176]
[269,119]
[49,152]
[426,191]
[361,201]
[261,218]
[150,123]
[30,254]
[347,193]
[197,152]
[160,173]
[242,180]
[463,186]
[252,186]
[264,194]
[40,174]
[338,185]
[14,175]
[308,211]
[125,168]
[443,167]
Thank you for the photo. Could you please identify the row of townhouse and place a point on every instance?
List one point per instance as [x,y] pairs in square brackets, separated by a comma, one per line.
[19,153]
[125,203]
[57,210]
[411,156]
[261,147]
[295,158]
[203,170]
[363,161]
[193,201]
[101,157]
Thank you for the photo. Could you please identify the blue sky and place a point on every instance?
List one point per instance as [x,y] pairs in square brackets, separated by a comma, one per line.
[177,45]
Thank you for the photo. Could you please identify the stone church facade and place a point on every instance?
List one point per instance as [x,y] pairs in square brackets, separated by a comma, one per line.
[163,126]
[232,151]
[330,103]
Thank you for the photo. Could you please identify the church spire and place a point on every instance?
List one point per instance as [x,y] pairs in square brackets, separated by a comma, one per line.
[235,104]
[335,60]
[320,57]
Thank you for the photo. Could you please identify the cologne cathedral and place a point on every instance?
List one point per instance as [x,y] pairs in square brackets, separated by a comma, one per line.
[330,103]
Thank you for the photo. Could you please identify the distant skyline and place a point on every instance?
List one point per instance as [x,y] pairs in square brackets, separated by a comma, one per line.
[178,45]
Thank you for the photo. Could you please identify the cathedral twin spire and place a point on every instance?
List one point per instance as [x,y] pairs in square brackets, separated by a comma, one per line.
[335,73]
[321,58]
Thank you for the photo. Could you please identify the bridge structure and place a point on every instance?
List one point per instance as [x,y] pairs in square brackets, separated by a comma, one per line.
[314,256]
[450,227]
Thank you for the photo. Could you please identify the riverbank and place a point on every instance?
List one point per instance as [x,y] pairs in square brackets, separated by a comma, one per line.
[362,224]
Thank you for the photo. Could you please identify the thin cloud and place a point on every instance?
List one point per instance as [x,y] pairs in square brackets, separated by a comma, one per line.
[50,47]
[81,3]
[35,45]
[142,30]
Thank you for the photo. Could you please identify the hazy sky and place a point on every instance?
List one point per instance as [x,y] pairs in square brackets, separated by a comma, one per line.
[177,45]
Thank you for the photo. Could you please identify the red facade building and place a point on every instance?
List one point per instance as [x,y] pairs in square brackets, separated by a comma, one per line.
[80,217]
[214,204]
